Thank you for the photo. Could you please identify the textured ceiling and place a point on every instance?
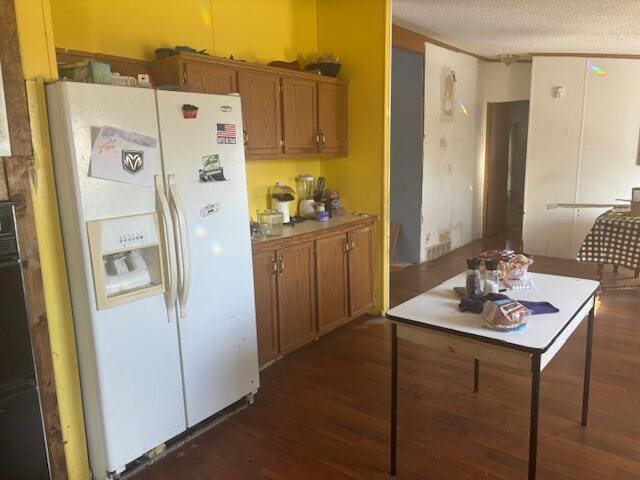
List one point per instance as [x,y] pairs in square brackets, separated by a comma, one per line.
[493,27]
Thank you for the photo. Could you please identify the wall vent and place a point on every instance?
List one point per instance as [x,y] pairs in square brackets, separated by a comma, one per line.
[438,250]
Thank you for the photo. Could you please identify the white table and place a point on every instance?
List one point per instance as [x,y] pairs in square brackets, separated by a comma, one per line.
[433,320]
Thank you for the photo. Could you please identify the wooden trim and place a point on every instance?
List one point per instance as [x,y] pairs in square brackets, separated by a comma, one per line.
[14,88]
[487,168]
[70,55]
[17,169]
[587,55]
[238,65]
[127,66]
[411,40]
[4,188]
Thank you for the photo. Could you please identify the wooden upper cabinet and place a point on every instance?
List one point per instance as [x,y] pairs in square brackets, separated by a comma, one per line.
[296,295]
[261,113]
[332,118]
[210,78]
[264,279]
[300,113]
[360,269]
[331,282]
[286,114]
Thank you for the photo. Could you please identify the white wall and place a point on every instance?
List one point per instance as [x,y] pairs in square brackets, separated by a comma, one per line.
[452,175]
[507,83]
[583,147]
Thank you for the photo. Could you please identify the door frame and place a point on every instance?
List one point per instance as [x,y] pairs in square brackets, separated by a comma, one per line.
[487,168]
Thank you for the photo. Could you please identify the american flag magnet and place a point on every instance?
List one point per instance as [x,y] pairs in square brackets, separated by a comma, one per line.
[226,133]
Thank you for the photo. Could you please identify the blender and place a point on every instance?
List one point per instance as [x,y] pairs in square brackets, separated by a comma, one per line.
[306,188]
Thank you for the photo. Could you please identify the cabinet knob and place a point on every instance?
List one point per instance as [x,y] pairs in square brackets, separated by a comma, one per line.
[274,271]
[323,139]
[281,261]
[245,137]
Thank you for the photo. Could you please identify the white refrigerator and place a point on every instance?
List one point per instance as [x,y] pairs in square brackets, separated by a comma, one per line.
[158,254]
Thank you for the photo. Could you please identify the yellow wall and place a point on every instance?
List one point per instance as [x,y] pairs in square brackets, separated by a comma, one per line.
[253,30]
[38,60]
[257,30]
[357,31]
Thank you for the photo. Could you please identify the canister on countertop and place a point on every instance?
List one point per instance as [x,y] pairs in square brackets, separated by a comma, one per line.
[271,222]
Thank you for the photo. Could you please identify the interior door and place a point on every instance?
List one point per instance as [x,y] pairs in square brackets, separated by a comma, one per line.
[209,78]
[261,112]
[300,113]
[518,136]
[218,329]
[332,118]
[296,304]
[331,281]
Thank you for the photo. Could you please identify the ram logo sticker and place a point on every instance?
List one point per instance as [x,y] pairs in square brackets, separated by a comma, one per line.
[132,161]
[226,108]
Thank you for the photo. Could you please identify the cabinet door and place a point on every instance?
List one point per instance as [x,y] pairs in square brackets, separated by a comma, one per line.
[296,290]
[264,280]
[331,282]
[332,118]
[300,108]
[360,269]
[261,112]
[210,78]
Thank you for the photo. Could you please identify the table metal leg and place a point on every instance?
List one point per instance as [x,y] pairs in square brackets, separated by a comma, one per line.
[394,397]
[600,271]
[476,375]
[535,409]
[587,367]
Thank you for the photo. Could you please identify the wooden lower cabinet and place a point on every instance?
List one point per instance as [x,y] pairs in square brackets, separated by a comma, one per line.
[360,269]
[264,278]
[296,296]
[331,282]
[307,287]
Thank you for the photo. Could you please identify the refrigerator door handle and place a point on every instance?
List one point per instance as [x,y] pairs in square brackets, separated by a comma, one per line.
[170,253]
[182,247]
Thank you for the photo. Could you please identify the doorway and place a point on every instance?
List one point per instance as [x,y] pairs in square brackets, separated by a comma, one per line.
[506,157]
[407,107]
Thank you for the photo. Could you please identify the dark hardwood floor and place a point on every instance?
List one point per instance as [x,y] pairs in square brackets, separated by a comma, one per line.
[323,411]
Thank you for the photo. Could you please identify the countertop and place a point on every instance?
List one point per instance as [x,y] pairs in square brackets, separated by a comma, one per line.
[314,227]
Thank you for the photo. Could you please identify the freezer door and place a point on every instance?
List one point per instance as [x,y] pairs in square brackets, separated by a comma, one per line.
[129,354]
[204,158]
